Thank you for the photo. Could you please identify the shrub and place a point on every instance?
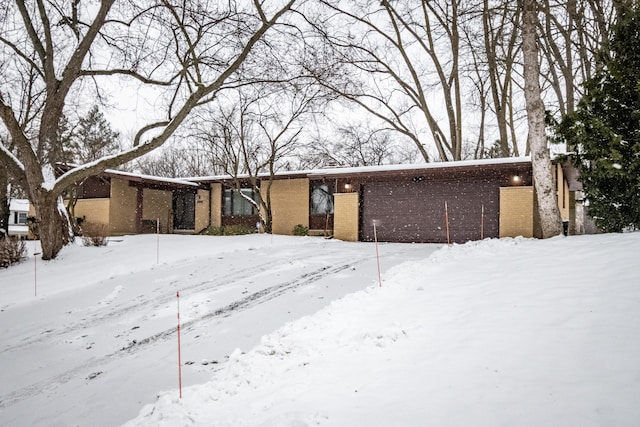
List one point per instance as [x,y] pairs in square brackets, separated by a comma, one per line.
[214,231]
[12,251]
[229,230]
[300,230]
[95,234]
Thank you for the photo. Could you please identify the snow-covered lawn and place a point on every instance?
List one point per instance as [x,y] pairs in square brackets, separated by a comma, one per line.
[98,342]
[513,332]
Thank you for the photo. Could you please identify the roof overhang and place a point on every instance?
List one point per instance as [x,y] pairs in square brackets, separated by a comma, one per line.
[518,163]
[424,168]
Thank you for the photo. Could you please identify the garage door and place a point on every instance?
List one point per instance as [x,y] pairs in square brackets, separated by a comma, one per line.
[415,211]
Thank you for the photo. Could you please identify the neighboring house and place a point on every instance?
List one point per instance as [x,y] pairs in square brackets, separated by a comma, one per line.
[18,213]
[132,203]
[434,202]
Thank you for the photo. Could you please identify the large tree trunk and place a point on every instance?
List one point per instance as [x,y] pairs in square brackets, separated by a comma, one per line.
[53,224]
[548,211]
[4,202]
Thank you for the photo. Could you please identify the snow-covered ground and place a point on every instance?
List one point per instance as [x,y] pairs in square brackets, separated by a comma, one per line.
[499,332]
[93,338]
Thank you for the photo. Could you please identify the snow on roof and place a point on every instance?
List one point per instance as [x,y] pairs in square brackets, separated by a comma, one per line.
[139,176]
[19,205]
[419,166]
[374,169]
[152,178]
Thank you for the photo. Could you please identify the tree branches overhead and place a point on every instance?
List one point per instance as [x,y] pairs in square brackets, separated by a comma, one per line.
[448,74]
[57,54]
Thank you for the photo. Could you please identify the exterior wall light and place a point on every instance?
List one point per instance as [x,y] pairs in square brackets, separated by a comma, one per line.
[516,179]
[347,187]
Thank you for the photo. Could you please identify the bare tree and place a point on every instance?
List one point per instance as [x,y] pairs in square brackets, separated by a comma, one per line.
[407,56]
[178,161]
[542,172]
[575,33]
[191,50]
[501,49]
[253,134]
[353,145]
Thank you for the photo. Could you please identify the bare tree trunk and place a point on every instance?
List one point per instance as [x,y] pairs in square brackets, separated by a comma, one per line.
[4,201]
[542,173]
[52,223]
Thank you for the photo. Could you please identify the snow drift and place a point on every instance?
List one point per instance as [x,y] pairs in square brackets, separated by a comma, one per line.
[499,332]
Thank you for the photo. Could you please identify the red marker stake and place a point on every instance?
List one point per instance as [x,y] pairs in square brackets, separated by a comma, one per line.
[158,241]
[482,225]
[446,216]
[35,269]
[35,274]
[179,357]
[375,237]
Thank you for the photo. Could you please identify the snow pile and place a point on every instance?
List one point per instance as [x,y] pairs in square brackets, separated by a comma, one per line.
[498,332]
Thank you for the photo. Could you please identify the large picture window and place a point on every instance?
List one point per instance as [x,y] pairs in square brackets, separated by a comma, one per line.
[235,202]
[321,199]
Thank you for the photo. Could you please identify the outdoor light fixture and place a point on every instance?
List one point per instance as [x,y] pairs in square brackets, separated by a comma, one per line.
[347,186]
[516,179]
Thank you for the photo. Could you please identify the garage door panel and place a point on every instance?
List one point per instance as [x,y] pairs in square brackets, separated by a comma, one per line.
[415,212]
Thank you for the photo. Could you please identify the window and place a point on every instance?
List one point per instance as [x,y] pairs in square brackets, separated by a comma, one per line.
[19,218]
[321,199]
[235,202]
[22,218]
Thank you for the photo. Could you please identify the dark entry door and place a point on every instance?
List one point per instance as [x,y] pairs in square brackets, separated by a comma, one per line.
[415,211]
[184,210]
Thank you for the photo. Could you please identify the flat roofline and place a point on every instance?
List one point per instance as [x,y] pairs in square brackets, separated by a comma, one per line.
[400,169]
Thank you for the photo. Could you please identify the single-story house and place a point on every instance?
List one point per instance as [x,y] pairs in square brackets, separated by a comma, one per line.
[434,202]
[18,213]
[133,203]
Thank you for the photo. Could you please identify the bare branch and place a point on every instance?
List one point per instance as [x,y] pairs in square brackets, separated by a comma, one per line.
[130,73]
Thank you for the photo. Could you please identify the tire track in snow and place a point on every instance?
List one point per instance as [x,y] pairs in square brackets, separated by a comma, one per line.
[163,298]
[241,304]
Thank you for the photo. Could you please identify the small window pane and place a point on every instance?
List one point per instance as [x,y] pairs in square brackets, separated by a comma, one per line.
[22,218]
[226,203]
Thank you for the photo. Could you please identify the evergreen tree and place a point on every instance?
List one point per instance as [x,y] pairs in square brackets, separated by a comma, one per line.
[604,131]
[93,138]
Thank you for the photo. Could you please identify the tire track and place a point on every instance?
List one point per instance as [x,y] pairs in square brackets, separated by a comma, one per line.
[241,304]
[91,321]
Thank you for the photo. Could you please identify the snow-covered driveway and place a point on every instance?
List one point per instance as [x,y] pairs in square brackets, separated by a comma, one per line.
[99,339]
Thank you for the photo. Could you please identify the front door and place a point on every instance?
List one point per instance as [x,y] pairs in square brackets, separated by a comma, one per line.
[184,210]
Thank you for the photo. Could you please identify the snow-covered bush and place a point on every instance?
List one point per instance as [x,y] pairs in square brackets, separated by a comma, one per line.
[95,234]
[12,251]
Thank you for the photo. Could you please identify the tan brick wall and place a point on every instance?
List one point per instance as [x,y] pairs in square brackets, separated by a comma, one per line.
[289,204]
[345,219]
[216,204]
[157,204]
[563,194]
[122,209]
[202,210]
[516,211]
[95,211]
